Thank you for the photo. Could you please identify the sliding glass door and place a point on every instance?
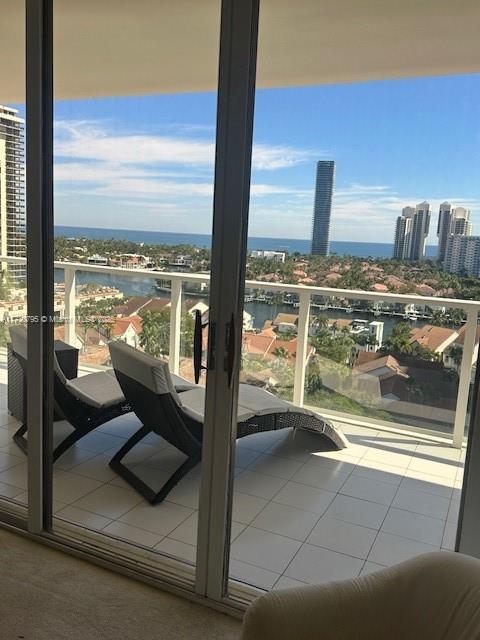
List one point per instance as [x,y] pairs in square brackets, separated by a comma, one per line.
[358,343]
[13,286]
[134,132]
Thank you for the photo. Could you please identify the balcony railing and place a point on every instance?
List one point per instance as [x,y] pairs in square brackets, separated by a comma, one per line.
[304,296]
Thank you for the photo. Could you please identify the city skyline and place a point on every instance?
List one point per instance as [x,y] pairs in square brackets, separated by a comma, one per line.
[150,159]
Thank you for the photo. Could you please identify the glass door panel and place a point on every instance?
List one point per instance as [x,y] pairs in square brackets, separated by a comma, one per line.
[360,314]
[134,158]
[13,288]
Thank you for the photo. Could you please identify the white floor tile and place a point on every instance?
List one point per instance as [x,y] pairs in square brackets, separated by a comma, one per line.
[167,459]
[7,491]
[414,526]
[438,453]
[321,477]
[392,458]
[304,497]
[264,549]
[73,457]
[379,472]
[244,457]
[109,501]
[5,437]
[98,442]
[449,536]
[337,535]
[69,487]
[442,469]
[275,466]
[83,518]
[15,476]
[246,507]
[287,583]
[96,467]
[369,489]
[299,446]
[177,549]
[161,518]
[316,565]
[453,511]
[122,427]
[419,481]
[389,549]
[355,511]
[334,460]
[260,442]
[286,521]
[8,460]
[250,574]
[133,534]
[141,452]
[370,567]
[258,484]
[186,493]
[419,502]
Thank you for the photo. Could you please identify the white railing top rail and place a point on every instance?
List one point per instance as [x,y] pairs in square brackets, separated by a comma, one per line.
[199,278]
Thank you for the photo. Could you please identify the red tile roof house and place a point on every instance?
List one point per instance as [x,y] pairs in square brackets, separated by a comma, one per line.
[436,339]
[449,360]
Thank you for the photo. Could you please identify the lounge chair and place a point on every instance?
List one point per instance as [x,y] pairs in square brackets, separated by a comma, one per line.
[148,388]
[85,402]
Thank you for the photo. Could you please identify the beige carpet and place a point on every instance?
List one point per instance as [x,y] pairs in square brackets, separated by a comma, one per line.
[48,595]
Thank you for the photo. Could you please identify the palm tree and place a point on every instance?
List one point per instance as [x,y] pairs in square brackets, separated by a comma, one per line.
[456,353]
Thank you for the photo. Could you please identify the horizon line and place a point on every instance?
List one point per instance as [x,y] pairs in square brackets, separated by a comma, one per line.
[67,226]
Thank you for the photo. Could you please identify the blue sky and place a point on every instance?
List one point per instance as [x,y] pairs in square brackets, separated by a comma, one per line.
[147,162]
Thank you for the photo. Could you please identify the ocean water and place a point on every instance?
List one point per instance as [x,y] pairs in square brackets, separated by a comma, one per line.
[358,249]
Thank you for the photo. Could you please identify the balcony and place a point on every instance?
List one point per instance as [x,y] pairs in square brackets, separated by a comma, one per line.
[300,515]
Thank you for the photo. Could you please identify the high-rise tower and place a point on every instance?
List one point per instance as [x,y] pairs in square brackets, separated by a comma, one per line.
[12,191]
[451,221]
[420,228]
[322,207]
[403,234]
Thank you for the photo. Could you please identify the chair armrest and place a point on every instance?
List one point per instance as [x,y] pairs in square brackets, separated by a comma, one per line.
[435,595]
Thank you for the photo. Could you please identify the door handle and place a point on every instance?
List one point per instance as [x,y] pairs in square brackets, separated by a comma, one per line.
[197,346]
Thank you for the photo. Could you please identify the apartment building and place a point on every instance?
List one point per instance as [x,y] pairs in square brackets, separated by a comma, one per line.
[411,232]
[463,255]
[451,221]
[12,191]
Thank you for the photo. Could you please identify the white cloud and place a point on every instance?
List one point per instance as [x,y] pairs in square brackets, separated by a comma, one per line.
[93,141]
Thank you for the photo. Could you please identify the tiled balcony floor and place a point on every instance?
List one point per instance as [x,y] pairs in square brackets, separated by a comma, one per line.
[299,515]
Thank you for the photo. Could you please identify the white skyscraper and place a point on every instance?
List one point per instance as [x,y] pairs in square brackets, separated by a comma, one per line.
[403,234]
[411,232]
[420,229]
[463,255]
[451,221]
[12,190]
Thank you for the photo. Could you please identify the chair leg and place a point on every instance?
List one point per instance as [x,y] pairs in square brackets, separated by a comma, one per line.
[19,440]
[139,485]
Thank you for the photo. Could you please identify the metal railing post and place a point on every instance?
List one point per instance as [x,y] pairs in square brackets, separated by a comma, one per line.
[70,293]
[465,377]
[175,325]
[302,349]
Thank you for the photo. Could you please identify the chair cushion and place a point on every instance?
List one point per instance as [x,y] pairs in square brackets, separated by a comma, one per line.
[181,384]
[100,390]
